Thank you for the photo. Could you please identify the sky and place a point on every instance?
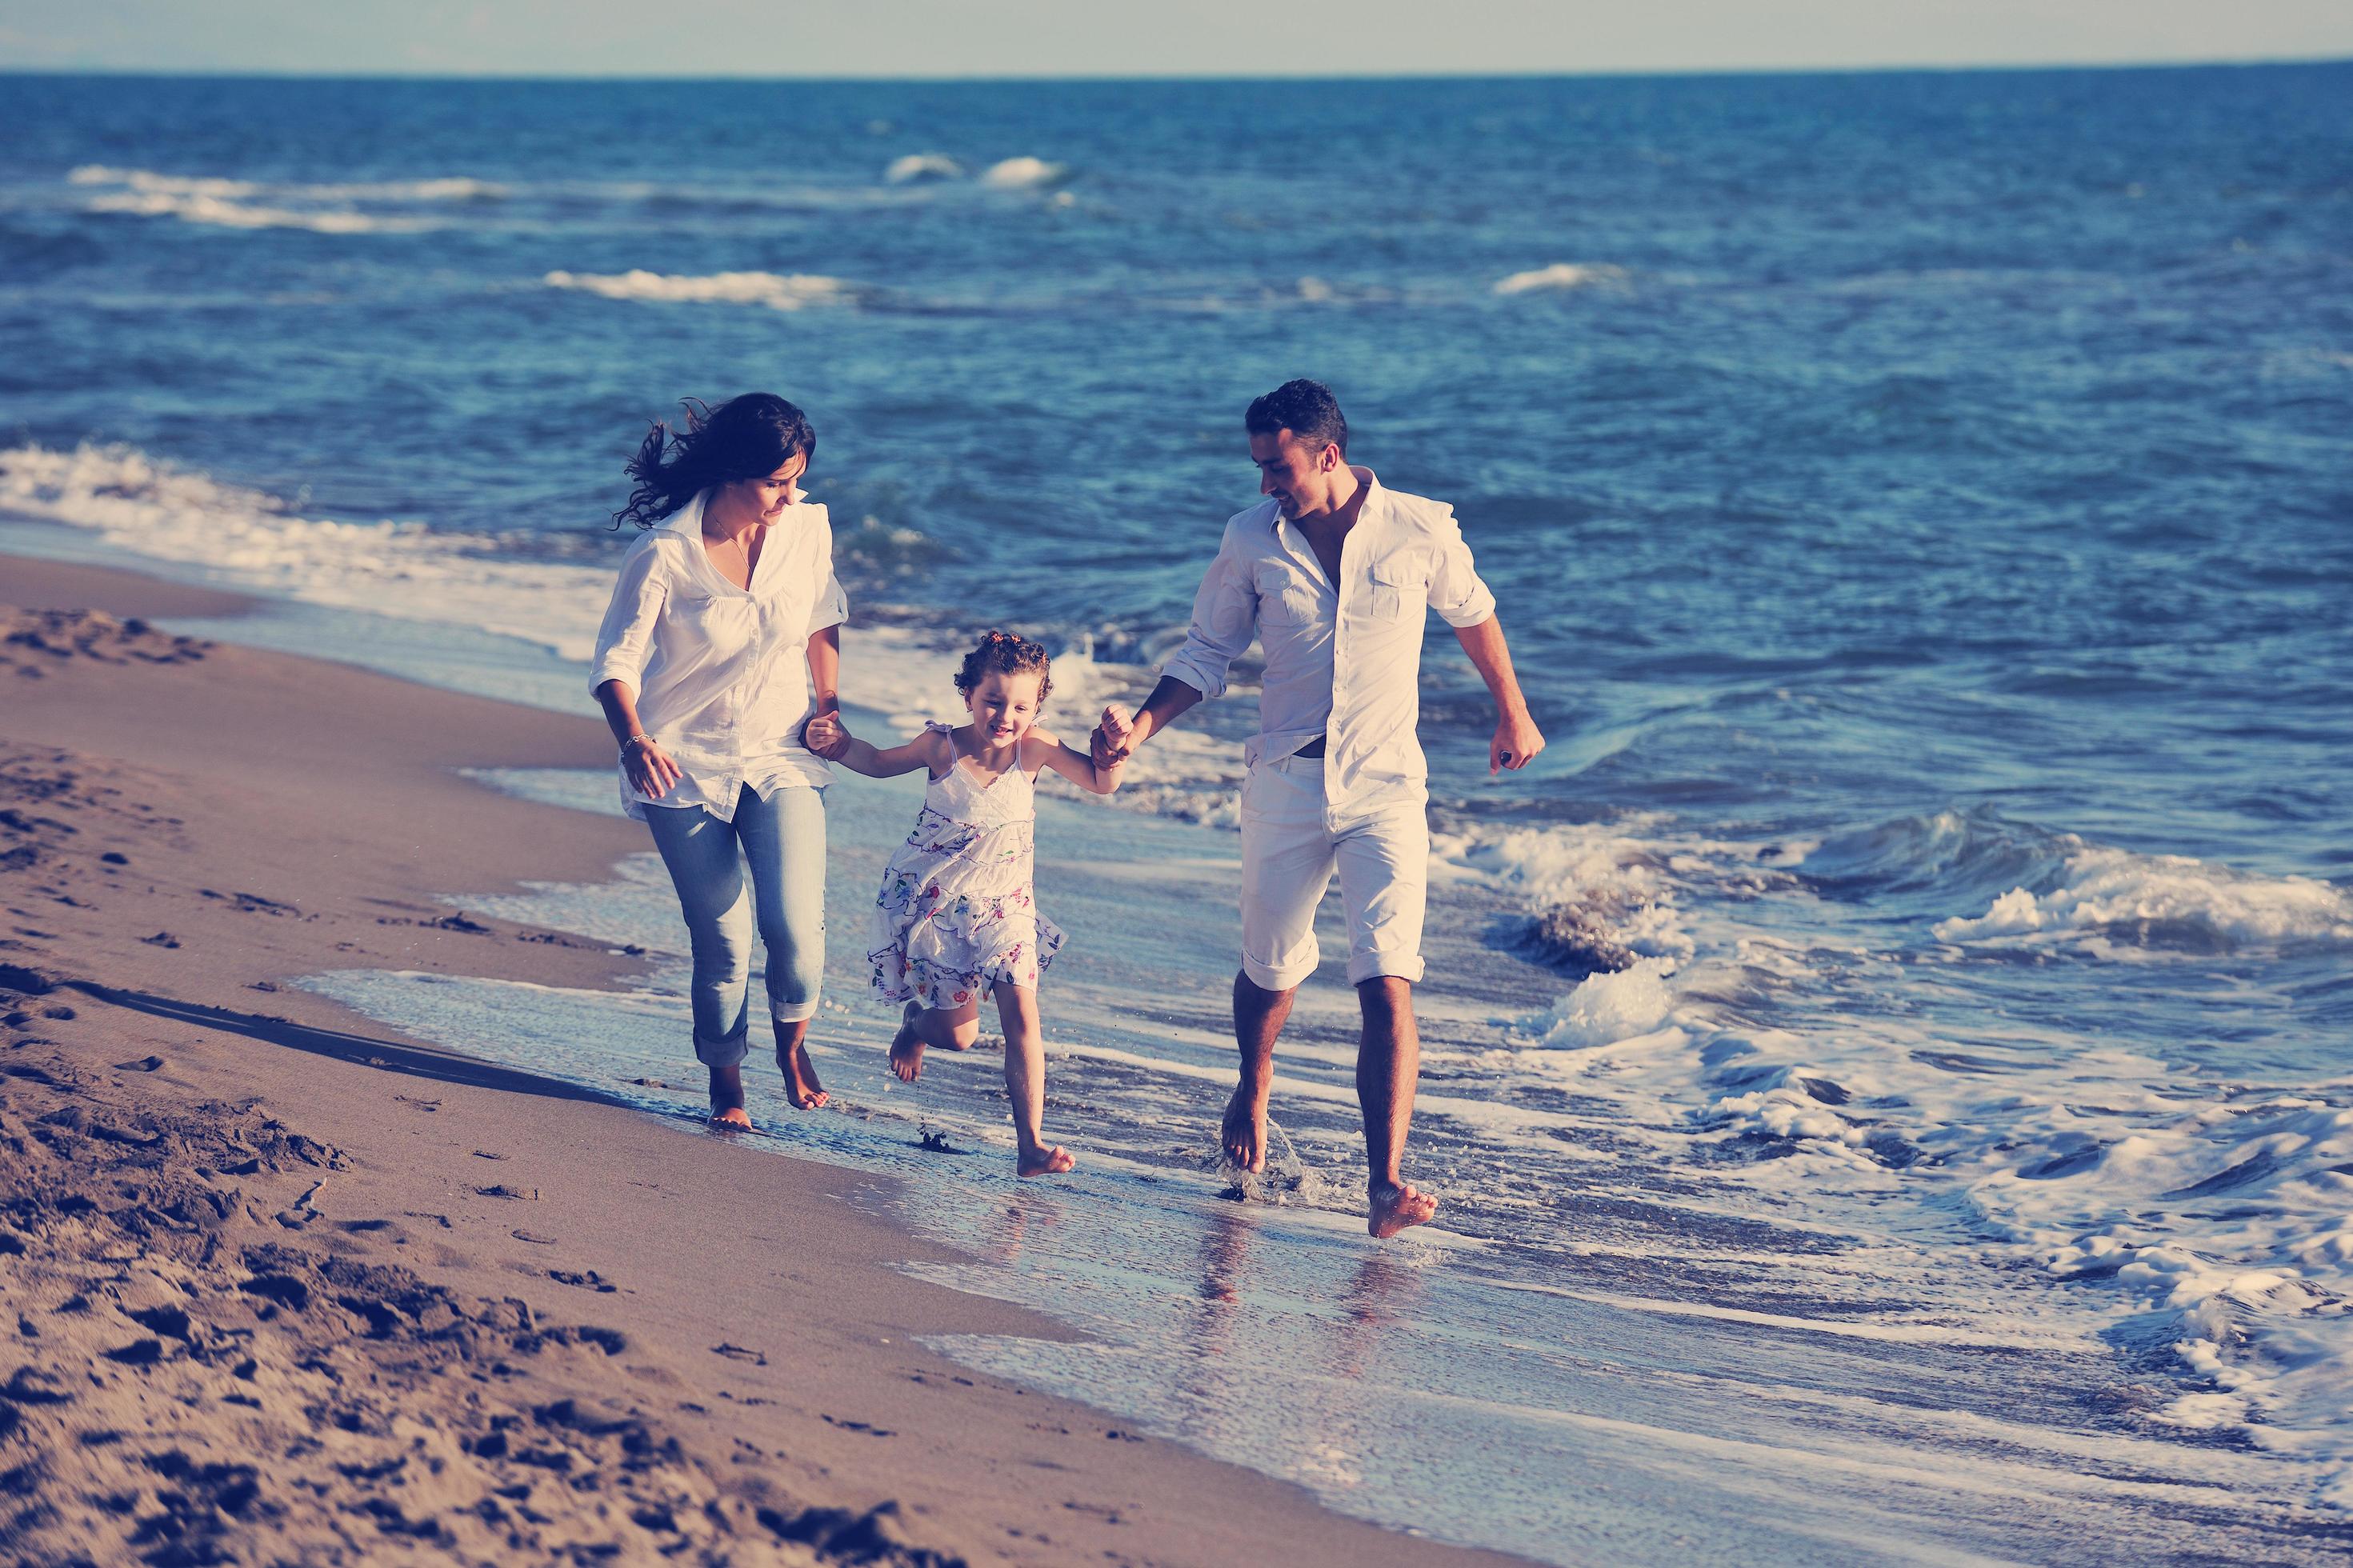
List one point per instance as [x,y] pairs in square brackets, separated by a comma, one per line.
[1140,37]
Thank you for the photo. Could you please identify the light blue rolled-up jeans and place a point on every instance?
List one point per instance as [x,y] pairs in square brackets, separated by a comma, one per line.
[782,839]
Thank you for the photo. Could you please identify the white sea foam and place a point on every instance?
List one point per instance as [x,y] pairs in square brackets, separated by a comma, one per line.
[779,291]
[245,539]
[916,166]
[165,185]
[2228,1218]
[1022,174]
[1607,1009]
[1619,885]
[454,188]
[251,540]
[219,212]
[223,202]
[1560,275]
[2162,900]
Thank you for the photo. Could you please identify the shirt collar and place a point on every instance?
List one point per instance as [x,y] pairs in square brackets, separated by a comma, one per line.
[688,518]
[1376,498]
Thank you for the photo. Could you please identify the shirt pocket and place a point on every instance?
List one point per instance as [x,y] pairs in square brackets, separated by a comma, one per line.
[1395,587]
[1284,601]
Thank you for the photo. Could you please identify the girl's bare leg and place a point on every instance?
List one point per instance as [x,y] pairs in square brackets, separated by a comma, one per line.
[950,1029]
[1025,1082]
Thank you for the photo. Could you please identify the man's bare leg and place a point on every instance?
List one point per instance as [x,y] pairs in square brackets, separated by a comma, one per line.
[793,1060]
[1259,1016]
[727,1098]
[1388,1062]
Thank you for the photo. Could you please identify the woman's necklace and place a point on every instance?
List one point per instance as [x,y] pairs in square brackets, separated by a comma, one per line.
[744,549]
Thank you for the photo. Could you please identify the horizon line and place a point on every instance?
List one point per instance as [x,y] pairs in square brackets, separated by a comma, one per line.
[1627,72]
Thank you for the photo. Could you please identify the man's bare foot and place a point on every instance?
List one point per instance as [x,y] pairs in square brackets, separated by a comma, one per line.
[801,1086]
[907,1046]
[1244,1132]
[1396,1205]
[727,1098]
[1044,1161]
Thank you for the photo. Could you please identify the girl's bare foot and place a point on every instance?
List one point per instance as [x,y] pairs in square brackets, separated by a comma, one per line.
[1397,1205]
[800,1077]
[907,1045]
[1044,1161]
[727,1098]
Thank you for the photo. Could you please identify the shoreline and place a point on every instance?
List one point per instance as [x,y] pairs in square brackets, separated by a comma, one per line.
[194,825]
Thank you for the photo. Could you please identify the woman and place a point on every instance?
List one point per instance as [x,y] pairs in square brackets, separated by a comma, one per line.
[723,640]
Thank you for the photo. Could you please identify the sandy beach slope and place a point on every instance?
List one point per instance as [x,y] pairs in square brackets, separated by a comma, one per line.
[277,1284]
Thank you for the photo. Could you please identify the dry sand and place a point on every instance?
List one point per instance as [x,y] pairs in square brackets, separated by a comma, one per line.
[285,1286]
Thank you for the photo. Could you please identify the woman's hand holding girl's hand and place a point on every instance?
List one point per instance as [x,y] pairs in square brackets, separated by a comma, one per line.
[827,736]
[651,771]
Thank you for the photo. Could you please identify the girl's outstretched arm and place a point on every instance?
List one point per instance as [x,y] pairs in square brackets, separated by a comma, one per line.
[830,738]
[1077,766]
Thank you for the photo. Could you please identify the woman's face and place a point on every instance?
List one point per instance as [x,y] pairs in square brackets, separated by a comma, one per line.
[766,497]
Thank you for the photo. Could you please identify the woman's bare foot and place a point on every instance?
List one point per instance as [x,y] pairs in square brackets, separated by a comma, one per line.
[801,1086]
[907,1045]
[1243,1135]
[1396,1205]
[1040,1161]
[727,1098]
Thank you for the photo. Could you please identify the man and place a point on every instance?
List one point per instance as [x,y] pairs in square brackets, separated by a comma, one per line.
[1335,575]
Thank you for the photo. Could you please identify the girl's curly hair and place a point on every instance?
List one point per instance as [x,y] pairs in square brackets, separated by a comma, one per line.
[1006,652]
[745,438]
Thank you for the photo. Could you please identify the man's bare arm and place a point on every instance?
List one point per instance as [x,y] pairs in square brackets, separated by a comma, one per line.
[1169,700]
[1517,739]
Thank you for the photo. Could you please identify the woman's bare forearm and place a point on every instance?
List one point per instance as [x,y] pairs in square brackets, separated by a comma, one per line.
[825,670]
[620,706]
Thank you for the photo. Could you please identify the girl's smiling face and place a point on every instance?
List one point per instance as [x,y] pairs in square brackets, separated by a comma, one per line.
[1003,706]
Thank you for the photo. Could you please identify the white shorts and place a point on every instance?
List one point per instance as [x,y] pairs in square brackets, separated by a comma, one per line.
[1290,845]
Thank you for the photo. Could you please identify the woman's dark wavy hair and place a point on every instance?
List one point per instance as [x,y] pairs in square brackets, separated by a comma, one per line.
[1007,654]
[745,438]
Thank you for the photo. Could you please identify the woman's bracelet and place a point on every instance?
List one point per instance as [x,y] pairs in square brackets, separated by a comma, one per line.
[640,739]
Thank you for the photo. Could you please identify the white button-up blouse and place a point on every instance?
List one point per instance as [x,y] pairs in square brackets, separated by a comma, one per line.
[1342,661]
[721,673]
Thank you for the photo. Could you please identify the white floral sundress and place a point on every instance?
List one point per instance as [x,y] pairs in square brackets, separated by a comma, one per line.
[957,915]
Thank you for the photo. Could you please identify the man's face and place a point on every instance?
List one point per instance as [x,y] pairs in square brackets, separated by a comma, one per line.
[1296,473]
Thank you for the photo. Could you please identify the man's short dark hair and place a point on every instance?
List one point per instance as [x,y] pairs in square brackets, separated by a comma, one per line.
[1305,408]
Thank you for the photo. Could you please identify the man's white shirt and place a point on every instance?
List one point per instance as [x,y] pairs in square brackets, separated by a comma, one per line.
[1342,660]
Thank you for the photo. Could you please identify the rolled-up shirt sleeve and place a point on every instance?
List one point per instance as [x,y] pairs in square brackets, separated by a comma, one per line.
[832,606]
[626,638]
[1225,618]
[1456,591]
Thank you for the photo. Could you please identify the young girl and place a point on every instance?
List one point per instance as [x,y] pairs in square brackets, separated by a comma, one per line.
[956,917]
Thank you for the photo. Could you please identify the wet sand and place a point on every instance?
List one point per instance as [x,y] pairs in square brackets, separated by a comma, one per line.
[285,1284]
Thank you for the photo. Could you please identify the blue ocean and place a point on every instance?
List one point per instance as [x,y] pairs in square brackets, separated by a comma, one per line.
[1886,1063]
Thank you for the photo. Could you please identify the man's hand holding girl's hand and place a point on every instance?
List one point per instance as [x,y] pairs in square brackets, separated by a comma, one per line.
[1114,737]
[827,736]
